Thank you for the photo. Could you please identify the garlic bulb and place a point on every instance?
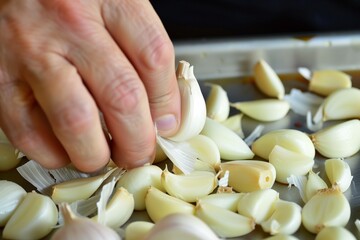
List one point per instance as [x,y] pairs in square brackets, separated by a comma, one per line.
[217,103]
[138,230]
[82,228]
[339,173]
[335,233]
[324,82]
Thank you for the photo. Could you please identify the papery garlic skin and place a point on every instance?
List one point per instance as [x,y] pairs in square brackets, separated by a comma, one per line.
[193,106]
[11,195]
[138,230]
[34,218]
[217,103]
[313,185]
[339,173]
[324,82]
[228,201]
[335,233]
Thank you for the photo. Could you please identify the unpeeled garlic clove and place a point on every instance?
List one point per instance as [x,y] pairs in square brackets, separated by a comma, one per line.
[267,80]
[230,145]
[138,230]
[327,208]
[324,82]
[290,139]
[289,163]
[217,103]
[313,185]
[265,110]
[159,204]
[223,222]
[34,218]
[286,219]
[338,141]
[334,233]
[228,201]
[234,123]
[339,173]
[249,175]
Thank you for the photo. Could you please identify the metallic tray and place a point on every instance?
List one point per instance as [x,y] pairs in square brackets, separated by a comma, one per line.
[230,62]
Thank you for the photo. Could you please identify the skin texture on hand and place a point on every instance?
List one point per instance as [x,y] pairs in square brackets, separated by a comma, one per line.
[63,61]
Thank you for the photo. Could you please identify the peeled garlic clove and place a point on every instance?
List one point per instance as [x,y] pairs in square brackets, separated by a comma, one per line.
[217,103]
[228,201]
[327,208]
[189,187]
[313,185]
[230,145]
[286,219]
[198,166]
[179,227]
[8,157]
[258,205]
[266,110]
[138,180]
[223,222]
[159,204]
[339,173]
[289,163]
[138,230]
[334,233]
[325,82]
[342,104]
[290,139]
[281,237]
[34,218]
[249,175]
[338,141]
[234,123]
[267,80]
[193,106]
[11,195]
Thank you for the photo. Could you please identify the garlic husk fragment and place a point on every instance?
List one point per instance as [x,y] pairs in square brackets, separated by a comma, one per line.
[267,80]
[290,139]
[11,195]
[76,227]
[138,230]
[217,103]
[281,237]
[189,187]
[289,163]
[258,205]
[223,222]
[249,175]
[339,173]
[357,224]
[327,208]
[228,201]
[342,104]
[230,145]
[234,123]
[34,218]
[78,189]
[193,106]
[286,219]
[324,82]
[335,233]
[138,180]
[265,110]
[159,204]
[338,141]
[179,227]
[314,184]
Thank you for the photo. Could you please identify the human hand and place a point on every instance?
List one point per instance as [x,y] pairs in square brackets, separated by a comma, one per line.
[61,61]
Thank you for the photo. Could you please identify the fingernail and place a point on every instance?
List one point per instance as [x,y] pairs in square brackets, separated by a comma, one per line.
[166,124]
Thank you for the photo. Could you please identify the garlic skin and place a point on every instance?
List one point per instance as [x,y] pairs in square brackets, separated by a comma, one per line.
[313,185]
[217,103]
[138,230]
[34,218]
[267,80]
[11,195]
[179,227]
[338,141]
[193,106]
[234,123]
[290,139]
[228,201]
[334,233]
[324,82]
[339,173]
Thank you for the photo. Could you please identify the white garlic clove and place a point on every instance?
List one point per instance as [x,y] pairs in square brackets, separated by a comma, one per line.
[234,123]
[290,139]
[198,166]
[324,82]
[265,110]
[339,173]
[338,141]
[9,157]
[313,185]
[217,103]
[138,230]
[281,237]
[34,218]
[334,233]
[228,201]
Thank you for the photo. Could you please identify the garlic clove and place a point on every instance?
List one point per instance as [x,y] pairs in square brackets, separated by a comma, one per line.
[159,154]
[290,139]
[34,218]
[230,145]
[138,180]
[339,173]
[334,233]
[289,163]
[234,123]
[324,82]
[339,140]
[267,80]
[11,195]
[327,208]
[313,185]
[9,157]
[159,204]
[286,219]
[138,230]
[224,223]
[198,166]
[281,237]
[181,226]
[217,103]
[228,201]
[249,175]
[265,110]
[258,205]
